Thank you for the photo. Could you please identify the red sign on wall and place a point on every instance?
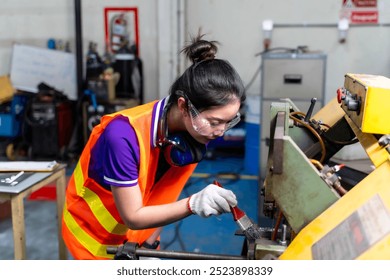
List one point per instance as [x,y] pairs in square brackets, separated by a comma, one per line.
[364,17]
[360,11]
[361,3]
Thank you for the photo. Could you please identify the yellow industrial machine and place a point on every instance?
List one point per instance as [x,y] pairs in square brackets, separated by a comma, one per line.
[321,217]
[316,213]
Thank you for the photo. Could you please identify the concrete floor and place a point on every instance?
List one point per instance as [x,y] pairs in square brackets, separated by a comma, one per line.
[214,235]
[41,232]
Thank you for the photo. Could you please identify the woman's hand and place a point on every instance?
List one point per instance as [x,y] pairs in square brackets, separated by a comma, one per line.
[212,200]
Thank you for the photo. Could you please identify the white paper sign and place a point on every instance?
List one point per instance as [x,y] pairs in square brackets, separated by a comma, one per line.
[31,66]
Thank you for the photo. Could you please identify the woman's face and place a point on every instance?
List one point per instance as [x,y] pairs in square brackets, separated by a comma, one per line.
[213,122]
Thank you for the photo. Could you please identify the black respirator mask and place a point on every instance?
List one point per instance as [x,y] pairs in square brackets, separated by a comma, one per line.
[179,148]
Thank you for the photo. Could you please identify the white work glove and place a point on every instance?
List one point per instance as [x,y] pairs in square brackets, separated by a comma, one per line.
[212,200]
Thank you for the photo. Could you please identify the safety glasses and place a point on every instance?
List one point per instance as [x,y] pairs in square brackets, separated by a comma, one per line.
[204,126]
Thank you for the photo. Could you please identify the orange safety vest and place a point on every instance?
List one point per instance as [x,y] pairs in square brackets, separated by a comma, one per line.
[90,220]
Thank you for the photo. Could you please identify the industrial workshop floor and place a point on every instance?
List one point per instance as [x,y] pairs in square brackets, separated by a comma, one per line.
[214,235]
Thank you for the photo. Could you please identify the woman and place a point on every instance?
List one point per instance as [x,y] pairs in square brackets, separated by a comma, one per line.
[137,161]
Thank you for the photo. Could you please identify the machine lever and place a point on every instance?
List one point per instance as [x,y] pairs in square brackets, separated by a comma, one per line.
[310,111]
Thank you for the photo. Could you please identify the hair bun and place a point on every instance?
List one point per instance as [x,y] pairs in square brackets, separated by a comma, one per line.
[199,49]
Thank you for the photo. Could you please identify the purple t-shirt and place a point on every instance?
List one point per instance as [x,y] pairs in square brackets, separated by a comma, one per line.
[115,157]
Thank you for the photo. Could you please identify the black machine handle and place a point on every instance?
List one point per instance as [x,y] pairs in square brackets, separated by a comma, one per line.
[310,111]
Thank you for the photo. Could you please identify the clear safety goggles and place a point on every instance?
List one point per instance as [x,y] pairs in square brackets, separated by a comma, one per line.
[207,128]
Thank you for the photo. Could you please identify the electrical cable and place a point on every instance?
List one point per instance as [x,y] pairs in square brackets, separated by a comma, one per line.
[175,237]
[337,142]
[317,164]
[312,130]
[257,72]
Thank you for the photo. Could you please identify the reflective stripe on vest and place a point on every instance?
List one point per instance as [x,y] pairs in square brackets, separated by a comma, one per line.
[97,207]
[84,238]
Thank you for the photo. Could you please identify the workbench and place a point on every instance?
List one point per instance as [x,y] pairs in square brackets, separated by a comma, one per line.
[16,195]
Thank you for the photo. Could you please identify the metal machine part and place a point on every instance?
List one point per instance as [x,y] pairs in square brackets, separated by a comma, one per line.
[365,99]
[131,251]
[293,183]
[262,248]
[249,229]
[384,141]
[303,185]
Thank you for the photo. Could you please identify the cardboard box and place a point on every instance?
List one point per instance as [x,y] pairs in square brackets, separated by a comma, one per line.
[6,89]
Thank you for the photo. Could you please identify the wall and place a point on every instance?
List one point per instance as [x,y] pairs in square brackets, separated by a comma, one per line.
[32,23]
[237,24]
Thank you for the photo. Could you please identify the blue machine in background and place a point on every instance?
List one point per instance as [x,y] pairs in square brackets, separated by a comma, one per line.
[12,116]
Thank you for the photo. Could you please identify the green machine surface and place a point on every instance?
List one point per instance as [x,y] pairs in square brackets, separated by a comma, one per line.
[292,181]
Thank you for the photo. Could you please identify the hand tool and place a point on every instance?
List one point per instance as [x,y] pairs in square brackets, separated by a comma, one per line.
[250,230]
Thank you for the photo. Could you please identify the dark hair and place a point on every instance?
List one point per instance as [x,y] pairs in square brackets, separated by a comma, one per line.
[208,81]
